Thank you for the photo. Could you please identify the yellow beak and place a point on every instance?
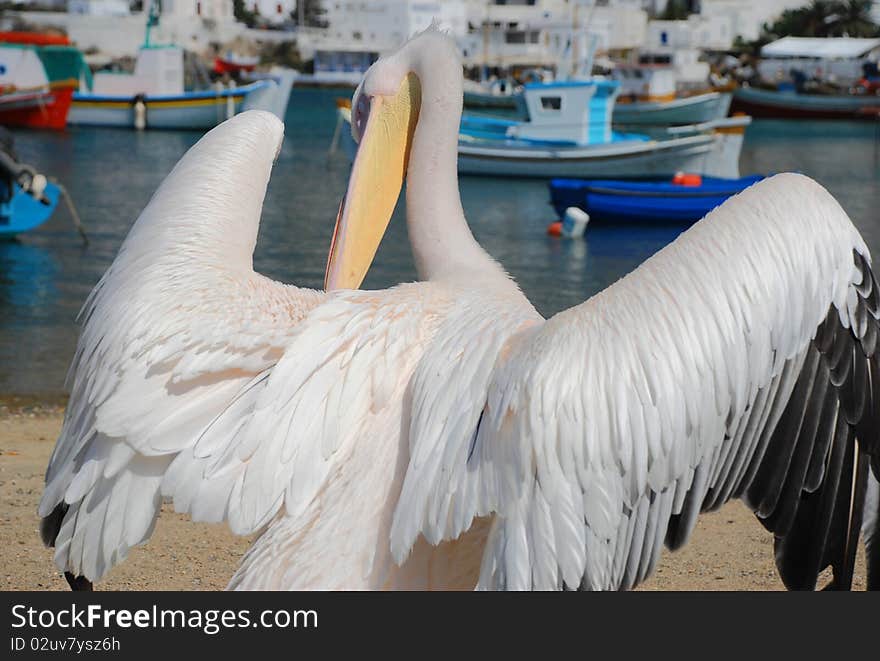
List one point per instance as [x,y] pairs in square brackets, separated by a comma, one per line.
[376,179]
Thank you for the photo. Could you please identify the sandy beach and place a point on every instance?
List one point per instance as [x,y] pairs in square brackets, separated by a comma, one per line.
[729,550]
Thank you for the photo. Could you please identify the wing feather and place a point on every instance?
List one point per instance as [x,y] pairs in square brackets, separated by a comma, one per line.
[173,334]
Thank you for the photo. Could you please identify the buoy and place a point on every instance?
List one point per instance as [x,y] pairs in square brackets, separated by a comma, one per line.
[554,229]
[574,223]
[140,114]
[687,179]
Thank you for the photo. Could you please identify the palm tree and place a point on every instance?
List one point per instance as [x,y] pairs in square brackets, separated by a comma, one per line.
[854,19]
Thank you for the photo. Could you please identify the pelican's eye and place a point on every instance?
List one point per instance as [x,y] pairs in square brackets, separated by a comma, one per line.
[360,115]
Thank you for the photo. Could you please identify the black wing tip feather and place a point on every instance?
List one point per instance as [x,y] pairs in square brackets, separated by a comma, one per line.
[50,525]
[78,583]
[804,491]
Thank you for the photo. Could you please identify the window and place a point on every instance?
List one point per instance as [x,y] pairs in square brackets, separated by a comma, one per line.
[551,102]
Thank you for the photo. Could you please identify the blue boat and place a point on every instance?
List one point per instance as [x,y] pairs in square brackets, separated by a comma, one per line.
[22,213]
[645,201]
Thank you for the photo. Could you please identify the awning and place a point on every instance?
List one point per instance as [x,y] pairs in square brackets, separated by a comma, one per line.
[828,48]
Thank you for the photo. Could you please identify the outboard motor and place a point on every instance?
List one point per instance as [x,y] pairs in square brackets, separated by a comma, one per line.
[13,172]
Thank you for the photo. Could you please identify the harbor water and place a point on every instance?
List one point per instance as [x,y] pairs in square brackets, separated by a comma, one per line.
[111,173]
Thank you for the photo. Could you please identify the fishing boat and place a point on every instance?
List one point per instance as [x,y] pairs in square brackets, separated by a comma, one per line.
[569,134]
[648,96]
[38,76]
[153,96]
[499,94]
[790,104]
[27,198]
[233,63]
[23,212]
[686,198]
[694,109]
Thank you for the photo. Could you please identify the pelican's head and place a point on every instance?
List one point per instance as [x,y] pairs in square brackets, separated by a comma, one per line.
[384,112]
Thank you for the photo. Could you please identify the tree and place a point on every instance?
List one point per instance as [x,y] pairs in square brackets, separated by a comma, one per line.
[312,12]
[243,14]
[676,10]
[854,19]
[825,18]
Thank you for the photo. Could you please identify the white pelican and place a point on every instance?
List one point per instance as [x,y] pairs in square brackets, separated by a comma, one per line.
[442,433]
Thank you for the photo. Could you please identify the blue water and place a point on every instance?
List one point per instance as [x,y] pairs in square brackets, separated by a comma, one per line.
[46,275]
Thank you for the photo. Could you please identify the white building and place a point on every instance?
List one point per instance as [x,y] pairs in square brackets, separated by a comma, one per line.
[359,32]
[748,16]
[182,9]
[272,11]
[700,32]
[99,7]
[522,33]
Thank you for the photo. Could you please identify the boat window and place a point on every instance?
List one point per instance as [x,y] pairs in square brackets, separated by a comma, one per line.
[551,102]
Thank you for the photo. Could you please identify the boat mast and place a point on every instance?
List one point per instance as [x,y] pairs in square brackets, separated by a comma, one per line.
[152,20]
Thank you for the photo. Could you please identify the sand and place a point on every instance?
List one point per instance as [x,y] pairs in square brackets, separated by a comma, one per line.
[728,551]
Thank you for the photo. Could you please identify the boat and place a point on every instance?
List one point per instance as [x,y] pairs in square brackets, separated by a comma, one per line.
[686,198]
[153,96]
[22,212]
[703,107]
[491,95]
[648,96]
[38,76]
[27,198]
[569,134]
[233,63]
[790,104]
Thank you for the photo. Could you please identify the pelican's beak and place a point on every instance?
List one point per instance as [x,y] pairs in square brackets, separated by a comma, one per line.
[374,186]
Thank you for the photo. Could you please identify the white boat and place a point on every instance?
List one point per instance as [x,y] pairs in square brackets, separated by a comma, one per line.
[153,96]
[678,111]
[498,94]
[710,149]
[648,97]
[569,134]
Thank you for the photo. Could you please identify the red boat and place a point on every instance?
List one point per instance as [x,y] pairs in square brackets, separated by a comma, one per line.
[232,63]
[38,76]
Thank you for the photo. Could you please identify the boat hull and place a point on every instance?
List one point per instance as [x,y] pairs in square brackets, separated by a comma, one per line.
[195,110]
[790,105]
[37,110]
[687,110]
[651,158]
[710,149]
[484,100]
[23,213]
[644,202]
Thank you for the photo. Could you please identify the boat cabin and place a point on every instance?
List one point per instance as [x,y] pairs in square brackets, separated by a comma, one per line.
[570,111]
[157,72]
[645,82]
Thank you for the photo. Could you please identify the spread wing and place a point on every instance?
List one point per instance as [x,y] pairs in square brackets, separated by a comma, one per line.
[740,361]
[179,328]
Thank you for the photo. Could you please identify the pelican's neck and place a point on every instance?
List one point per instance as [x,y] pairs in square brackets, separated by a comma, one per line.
[441,240]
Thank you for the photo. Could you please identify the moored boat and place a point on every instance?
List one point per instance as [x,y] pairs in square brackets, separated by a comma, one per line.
[569,134]
[794,105]
[495,95]
[23,212]
[153,96]
[673,112]
[683,199]
[27,198]
[38,76]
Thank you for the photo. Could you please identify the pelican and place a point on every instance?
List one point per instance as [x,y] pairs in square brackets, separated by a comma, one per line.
[441,433]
